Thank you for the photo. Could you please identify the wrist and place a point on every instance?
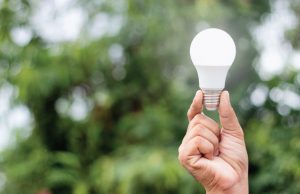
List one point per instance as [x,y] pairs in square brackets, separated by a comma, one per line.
[240,187]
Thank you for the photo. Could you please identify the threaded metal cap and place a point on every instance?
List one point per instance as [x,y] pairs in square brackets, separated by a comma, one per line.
[211,99]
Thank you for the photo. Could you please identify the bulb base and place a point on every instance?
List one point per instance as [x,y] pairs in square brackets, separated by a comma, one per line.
[211,99]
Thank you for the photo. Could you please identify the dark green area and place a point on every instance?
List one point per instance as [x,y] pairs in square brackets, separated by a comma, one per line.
[137,102]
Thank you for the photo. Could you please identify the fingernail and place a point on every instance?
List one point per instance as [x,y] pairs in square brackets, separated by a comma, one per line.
[227,97]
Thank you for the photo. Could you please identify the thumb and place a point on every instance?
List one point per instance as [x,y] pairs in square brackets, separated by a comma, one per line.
[228,118]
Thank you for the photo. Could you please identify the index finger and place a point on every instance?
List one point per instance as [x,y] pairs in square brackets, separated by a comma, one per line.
[205,121]
[196,106]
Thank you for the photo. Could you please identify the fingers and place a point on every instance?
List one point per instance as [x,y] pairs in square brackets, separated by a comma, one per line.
[202,137]
[205,127]
[207,122]
[206,131]
[194,149]
[201,131]
[228,118]
[196,106]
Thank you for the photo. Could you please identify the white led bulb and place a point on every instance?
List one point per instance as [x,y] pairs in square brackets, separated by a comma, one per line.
[212,52]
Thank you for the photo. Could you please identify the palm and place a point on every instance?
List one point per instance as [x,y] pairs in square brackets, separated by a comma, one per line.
[226,167]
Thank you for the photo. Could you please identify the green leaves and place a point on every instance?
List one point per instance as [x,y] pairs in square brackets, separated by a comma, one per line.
[136,81]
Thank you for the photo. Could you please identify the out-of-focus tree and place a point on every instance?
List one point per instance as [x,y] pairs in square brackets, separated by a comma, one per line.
[273,127]
[109,106]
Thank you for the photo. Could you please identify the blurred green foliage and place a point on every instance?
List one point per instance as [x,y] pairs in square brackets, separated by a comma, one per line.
[136,85]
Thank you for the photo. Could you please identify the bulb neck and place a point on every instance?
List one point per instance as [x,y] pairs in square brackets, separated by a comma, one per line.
[211,98]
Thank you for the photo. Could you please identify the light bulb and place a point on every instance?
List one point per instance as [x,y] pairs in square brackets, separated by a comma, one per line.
[212,52]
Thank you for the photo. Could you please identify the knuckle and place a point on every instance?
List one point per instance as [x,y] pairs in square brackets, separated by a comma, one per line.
[207,147]
[197,118]
[208,135]
[180,149]
[216,132]
[215,141]
[200,118]
[195,166]
[199,130]
[188,114]
[197,142]
[216,127]
[182,159]
[195,127]
[181,156]
[199,126]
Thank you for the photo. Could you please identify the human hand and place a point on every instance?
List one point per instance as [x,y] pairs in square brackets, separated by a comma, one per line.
[217,158]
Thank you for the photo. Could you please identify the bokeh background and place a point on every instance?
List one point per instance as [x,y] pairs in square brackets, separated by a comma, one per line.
[94,94]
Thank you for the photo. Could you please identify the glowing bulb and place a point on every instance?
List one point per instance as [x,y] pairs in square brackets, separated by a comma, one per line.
[212,52]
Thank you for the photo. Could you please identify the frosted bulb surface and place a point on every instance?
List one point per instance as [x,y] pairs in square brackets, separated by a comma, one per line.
[212,53]
[212,47]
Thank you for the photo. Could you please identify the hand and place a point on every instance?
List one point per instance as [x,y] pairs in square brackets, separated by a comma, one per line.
[216,157]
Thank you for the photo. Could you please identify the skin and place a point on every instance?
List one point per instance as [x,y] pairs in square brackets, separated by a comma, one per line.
[216,157]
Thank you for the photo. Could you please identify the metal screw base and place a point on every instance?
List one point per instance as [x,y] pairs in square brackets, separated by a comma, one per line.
[211,99]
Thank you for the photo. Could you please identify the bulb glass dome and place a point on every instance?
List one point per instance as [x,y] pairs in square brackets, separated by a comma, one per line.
[212,47]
